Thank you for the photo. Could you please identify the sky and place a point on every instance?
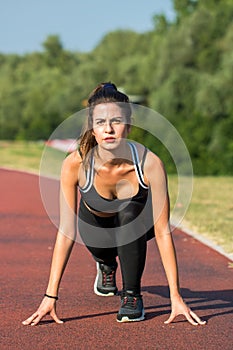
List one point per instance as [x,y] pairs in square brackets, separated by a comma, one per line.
[25,24]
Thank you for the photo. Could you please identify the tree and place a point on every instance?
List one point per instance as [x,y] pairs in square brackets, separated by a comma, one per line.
[184,8]
[53,49]
[161,24]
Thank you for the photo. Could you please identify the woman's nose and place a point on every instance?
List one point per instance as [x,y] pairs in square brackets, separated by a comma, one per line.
[108,126]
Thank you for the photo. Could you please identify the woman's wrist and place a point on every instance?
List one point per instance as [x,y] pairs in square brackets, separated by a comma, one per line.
[175,292]
[175,297]
[51,296]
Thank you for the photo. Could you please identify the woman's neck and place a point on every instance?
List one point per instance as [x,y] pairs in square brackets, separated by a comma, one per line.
[121,154]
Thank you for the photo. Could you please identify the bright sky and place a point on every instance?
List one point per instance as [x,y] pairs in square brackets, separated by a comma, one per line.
[25,24]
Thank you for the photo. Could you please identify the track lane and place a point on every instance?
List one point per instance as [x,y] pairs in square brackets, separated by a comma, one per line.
[26,242]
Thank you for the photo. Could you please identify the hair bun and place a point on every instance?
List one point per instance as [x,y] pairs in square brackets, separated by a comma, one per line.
[109,86]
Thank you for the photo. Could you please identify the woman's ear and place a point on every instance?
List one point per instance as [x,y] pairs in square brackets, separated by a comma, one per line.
[128,128]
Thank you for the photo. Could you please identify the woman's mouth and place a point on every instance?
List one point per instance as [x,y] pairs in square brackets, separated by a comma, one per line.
[109,139]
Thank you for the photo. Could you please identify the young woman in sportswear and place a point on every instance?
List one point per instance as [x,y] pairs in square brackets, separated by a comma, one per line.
[121,184]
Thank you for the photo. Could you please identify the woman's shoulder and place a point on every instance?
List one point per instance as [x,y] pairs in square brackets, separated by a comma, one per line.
[154,169]
[71,166]
[74,159]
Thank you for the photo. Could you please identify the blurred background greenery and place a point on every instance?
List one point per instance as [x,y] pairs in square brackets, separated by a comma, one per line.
[182,69]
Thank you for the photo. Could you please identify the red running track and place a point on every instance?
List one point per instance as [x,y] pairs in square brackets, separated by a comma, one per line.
[27,237]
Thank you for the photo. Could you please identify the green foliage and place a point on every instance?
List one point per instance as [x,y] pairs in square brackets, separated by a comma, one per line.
[184,7]
[183,69]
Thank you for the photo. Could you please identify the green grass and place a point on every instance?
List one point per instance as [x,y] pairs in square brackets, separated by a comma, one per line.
[21,155]
[209,213]
[31,156]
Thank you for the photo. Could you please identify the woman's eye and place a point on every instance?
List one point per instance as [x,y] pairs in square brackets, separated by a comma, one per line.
[116,121]
[100,122]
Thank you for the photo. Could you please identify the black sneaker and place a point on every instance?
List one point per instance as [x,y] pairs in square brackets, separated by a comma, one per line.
[131,309]
[105,282]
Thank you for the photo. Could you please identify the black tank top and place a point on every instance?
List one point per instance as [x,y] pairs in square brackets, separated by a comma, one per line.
[100,204]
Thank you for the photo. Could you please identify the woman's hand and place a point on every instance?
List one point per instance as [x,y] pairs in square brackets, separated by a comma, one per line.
[47,306]
[180,308]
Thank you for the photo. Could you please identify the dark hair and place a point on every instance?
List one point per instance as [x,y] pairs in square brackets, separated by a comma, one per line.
[103,93]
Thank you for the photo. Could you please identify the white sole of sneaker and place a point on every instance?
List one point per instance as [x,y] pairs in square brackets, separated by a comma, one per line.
[111,294]
[127,319]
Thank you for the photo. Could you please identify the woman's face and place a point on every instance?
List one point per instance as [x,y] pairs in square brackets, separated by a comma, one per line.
[109,125]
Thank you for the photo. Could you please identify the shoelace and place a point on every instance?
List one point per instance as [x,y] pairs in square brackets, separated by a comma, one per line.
[108,278]
[130,301]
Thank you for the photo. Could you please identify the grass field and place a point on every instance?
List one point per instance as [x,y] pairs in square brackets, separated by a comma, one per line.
[210,212]
[21,155]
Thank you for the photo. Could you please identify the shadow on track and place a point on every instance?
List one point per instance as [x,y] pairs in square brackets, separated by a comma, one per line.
[206,300]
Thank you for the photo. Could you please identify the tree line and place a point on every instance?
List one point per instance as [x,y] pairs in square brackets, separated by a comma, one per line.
[181,68]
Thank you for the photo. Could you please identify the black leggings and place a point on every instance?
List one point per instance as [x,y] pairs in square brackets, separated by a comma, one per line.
[118,235]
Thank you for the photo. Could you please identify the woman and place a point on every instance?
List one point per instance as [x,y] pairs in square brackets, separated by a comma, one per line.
[119,183]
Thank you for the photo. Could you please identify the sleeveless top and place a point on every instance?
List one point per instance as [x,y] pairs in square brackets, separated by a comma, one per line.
[100,204]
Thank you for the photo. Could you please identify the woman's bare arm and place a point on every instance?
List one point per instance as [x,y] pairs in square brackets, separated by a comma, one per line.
[64,241]
[156,175]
